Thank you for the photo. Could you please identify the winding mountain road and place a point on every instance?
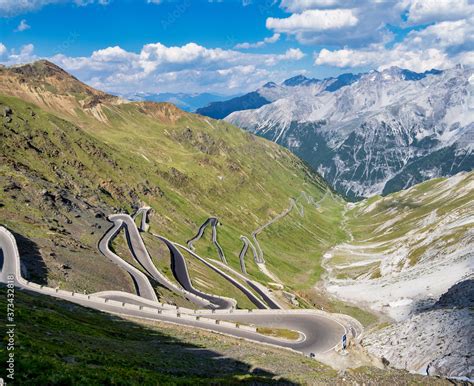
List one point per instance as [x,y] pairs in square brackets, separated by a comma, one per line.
[243,252]
[255,300]
[180,271]
[144,221]
[255,246]
[319,331]
[141,255]
[213,222]
[142,284]
[260,259]
[256,286]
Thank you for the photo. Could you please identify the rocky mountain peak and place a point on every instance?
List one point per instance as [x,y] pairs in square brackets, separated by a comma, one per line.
[270,85]
[298,80]
[374,133]
[163,111]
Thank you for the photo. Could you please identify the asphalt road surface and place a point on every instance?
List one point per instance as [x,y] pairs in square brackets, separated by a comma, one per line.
[319,332]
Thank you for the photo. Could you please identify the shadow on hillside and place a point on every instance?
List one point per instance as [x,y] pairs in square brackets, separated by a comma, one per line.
[400,204]
[460,295]
[31,260]
[92,346]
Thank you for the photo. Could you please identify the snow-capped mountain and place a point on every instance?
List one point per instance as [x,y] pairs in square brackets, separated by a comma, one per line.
[271,91]
[377,132]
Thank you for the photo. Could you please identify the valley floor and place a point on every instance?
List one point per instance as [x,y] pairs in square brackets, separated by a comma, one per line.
[406,251]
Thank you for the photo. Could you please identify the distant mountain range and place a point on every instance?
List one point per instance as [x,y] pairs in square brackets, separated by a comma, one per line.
[271,91]
[187,102]
[370,133]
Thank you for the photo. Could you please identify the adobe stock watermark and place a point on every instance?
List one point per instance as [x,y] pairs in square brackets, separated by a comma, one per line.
[178,11]
[67,43]
[10,330]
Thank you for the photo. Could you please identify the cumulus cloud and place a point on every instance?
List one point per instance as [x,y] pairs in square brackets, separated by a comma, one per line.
[313,21]
[23,26]
[3,50]
[270,40]
[466,57]
[16,7]
[336,22]
[427,11]
[10,8]
[24,55]
[381,58]
[292,54]
[446,34]
[157,67]
[360,23]
[439,45]
[296,6]
[361,31]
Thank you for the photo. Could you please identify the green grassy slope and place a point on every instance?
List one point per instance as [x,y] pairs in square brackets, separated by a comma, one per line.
[66,165]
[429,222]
[115,351]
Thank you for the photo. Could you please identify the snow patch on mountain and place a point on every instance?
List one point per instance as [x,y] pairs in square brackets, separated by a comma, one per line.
[369,132]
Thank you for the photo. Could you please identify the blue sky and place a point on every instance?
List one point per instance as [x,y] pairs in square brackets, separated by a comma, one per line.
[232,46]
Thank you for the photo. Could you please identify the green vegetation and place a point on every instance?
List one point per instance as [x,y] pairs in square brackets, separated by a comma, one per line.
[77,155]
[365,317]
[314,298]
[410,207]
[427,222]
[67,166]
[376,274]
[279,333]
[355,272]
[59,343]
[380,326]
[294,245]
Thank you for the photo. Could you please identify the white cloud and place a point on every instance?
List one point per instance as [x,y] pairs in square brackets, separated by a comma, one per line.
[191,67]
[444,34]
[343,58]
[16,7]
[313,21]
[338,22]
[3,50]
[466,58]
[112,54]
[270,40]
[361,23]
[381,58]
[25,54]
[292,54]
[427,11]
[296,6]
[10,8]
[23,26]
[448,40]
